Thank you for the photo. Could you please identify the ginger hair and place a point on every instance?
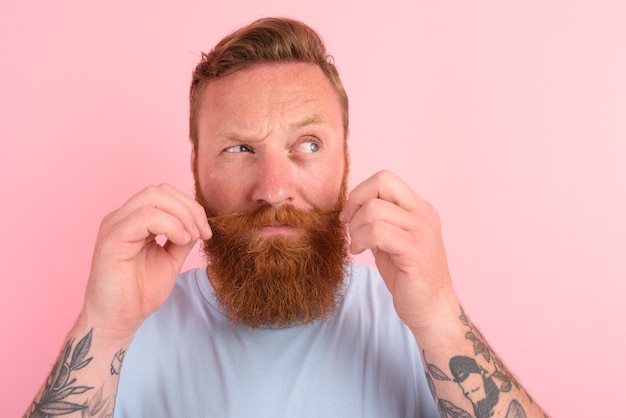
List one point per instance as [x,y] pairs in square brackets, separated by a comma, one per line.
[267,40]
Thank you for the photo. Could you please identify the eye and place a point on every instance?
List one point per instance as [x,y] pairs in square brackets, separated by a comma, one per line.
[238,148]
[309,146]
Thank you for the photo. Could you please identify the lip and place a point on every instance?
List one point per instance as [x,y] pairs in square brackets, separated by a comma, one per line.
[277,229]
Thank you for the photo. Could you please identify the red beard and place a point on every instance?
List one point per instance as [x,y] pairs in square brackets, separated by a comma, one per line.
[278,280]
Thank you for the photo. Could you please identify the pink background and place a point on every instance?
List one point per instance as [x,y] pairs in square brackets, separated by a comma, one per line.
[509,116]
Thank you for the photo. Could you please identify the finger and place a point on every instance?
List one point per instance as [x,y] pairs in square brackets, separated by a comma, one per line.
[198,212]
[170,200]
[178,252]
[381,236]
[382,210]
[383,185]
[148,221]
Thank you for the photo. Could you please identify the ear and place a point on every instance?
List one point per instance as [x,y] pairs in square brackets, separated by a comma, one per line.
[346,149]
[192,158]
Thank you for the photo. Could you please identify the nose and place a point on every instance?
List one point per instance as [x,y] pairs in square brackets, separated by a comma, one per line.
[274,180]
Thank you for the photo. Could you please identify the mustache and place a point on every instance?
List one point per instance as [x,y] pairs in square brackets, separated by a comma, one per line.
[267,215]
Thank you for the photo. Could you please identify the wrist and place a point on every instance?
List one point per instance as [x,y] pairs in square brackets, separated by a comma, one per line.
[441,324]
[107,334]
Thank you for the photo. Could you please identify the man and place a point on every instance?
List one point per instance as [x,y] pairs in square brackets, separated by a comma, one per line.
[476,384]
[279,323]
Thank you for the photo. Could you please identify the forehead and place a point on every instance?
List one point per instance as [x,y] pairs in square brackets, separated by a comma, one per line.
[281,91]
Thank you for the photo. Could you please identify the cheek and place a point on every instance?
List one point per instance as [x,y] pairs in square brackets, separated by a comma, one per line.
[323,188]
[222,194]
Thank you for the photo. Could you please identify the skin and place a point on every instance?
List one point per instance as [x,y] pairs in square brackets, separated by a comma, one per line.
[268,135]
[473,387]
[404,233]
[257,135]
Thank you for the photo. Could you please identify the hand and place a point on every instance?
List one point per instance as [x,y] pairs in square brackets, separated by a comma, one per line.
[131,273]
[404,233]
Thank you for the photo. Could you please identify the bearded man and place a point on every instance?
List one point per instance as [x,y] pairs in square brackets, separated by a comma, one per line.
[280,322]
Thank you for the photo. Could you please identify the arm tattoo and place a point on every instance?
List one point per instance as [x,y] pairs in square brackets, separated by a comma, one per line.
[116,363]
[445,407]
[61,385]
[481,381]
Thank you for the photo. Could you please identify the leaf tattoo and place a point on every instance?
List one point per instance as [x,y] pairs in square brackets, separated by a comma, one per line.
[482,348]
[461,366]
[446,408]
[515,410]
[99,407]
[60,384]
[437,373]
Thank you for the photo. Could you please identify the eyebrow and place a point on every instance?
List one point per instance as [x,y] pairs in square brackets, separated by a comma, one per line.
[237,137]
[309,120]
[306,121]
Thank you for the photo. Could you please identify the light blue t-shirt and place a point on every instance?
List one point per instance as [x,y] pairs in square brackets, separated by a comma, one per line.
[189,360]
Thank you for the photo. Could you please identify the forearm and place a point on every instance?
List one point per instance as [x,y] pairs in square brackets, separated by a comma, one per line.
[84,378]
[467,378]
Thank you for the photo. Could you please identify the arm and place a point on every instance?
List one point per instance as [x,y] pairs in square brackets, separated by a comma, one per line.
[403,232]
[131,276]
[84,377]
